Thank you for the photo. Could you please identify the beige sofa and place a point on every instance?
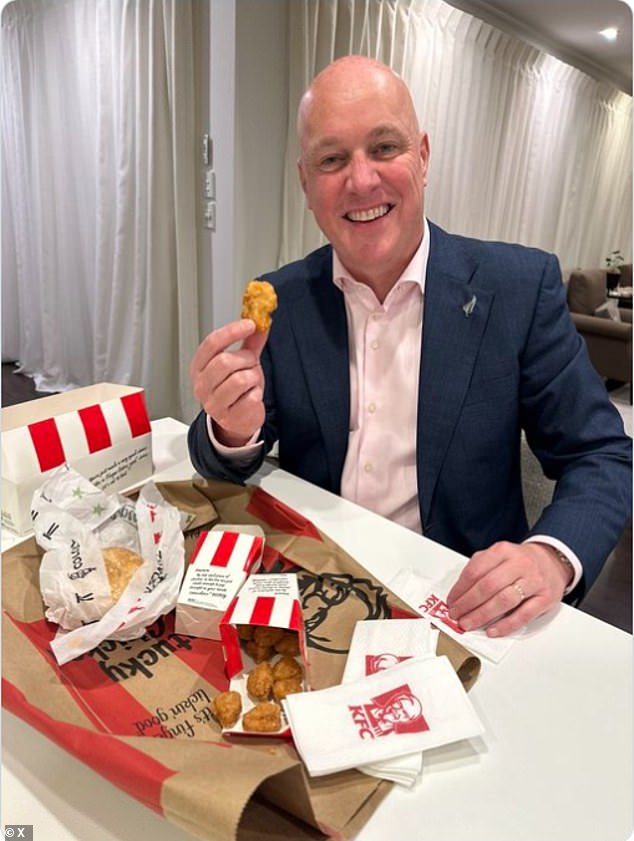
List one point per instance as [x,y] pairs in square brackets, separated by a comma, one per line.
[609,340]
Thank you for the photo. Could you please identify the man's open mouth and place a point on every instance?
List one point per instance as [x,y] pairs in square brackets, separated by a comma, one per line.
[368,215]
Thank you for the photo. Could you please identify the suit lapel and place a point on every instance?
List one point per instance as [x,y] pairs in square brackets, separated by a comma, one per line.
[455,316]
[321,333]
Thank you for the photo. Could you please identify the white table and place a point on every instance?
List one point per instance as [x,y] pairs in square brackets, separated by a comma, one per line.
[555,762]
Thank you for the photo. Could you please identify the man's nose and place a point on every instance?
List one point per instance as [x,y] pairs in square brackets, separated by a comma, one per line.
[363,174]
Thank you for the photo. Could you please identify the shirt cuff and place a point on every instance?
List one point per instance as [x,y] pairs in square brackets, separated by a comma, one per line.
[239,455]
[566,551]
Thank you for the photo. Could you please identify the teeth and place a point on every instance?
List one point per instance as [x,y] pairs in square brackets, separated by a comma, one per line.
[368,215]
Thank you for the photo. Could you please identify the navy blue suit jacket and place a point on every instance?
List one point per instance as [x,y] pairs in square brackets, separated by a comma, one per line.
[515,361]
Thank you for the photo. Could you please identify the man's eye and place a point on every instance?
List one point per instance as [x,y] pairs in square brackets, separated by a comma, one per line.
[331,162]
[386,150]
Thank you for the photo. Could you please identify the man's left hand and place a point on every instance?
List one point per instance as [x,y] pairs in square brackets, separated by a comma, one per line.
[506,586]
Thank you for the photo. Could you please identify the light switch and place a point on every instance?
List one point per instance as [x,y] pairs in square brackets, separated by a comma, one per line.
[209,184]
[206,150]
[209,215]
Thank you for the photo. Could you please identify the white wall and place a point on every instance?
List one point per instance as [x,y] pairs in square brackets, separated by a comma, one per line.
[241,59]
[260,135]
[222,94]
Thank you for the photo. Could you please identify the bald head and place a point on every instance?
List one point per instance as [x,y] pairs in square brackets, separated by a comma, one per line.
[347,80]
[363,167]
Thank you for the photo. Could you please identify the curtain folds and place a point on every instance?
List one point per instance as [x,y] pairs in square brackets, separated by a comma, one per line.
[524,148]
[99,274]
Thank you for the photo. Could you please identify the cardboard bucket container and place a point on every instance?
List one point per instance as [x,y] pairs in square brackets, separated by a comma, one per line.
[102,431]
[218,567]
[269,601]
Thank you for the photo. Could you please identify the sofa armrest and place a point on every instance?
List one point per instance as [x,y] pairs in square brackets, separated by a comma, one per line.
[592,324]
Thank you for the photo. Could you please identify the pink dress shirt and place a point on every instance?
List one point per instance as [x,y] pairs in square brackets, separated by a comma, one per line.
[384,342]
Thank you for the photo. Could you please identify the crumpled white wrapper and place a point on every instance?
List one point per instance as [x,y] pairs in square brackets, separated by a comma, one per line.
[72,519]
[377,645]
[429,599]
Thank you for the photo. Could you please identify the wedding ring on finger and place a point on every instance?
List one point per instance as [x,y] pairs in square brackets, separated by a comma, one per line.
[520,591]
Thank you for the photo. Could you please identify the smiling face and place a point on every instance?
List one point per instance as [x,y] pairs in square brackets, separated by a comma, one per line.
[363,168]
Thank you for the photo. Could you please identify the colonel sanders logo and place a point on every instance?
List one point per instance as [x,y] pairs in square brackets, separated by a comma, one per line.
[379,662]
[323,598]
[395,712]
[435,608]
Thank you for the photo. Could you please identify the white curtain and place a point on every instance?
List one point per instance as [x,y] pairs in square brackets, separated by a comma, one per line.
[99,275]
[524,148]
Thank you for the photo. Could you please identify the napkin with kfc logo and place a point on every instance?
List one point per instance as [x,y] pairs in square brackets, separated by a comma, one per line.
[377,645]
[414,706]
[429,599]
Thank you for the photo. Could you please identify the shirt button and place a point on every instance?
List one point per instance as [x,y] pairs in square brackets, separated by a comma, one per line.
[367,467]
[372,408]
[375,344]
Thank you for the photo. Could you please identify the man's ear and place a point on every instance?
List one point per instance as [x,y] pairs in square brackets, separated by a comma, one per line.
[303,179]
[424,153]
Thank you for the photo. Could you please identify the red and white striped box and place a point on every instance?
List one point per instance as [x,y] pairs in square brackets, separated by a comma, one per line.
[271,600]
[220,563]
[102,431]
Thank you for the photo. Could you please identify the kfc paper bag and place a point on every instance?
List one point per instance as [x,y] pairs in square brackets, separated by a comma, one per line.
[335,590]
[138,711]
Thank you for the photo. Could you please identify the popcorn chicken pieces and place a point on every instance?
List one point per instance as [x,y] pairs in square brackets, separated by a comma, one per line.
[226,708]
[245,632]
[260,681]
[258,302]
[287,667]
[259,653]
[288,644]
[286,686]
[265,717]
[265,635]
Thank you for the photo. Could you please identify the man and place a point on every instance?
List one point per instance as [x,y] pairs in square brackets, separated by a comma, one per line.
[403,363]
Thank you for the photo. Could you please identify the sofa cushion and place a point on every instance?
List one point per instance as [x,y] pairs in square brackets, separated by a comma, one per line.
[586,290]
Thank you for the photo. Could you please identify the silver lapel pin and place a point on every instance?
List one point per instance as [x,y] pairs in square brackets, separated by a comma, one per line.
[469,307]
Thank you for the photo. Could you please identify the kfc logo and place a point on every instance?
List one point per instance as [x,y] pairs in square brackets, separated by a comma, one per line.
[326,597]
[379,662]
[436,607]
[397,711]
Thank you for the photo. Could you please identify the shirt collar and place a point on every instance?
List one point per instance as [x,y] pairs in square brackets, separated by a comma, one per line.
[415,271]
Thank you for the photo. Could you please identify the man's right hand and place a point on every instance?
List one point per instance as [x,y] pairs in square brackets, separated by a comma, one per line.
[229,383]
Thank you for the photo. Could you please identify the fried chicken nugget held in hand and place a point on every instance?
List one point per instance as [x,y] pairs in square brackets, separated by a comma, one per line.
[226,708]
[258,302]
[287,667]
[286,686]
[260,681]
[265,717]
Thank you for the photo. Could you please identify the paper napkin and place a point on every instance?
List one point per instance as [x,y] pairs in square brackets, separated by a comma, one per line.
[429,599]
[414,706]
[381,643]
[377,645]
